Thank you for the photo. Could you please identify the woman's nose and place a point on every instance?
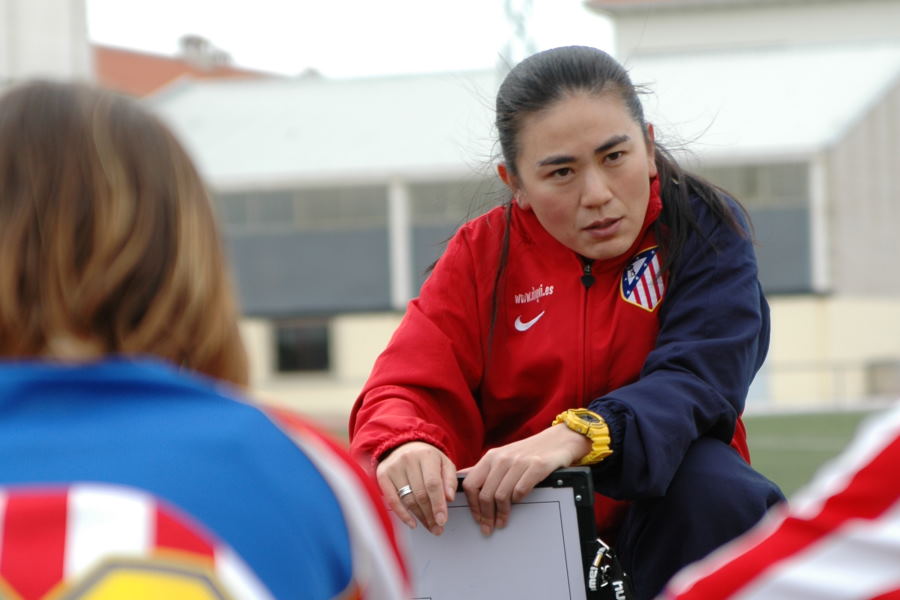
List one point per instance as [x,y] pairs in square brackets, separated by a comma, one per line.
[596,191]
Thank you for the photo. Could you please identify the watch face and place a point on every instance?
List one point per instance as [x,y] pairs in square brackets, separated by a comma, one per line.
[589,418]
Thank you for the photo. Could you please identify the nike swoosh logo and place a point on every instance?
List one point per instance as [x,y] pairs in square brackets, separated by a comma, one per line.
[520,326]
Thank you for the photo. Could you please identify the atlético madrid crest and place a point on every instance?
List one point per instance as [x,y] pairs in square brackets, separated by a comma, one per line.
[642,281]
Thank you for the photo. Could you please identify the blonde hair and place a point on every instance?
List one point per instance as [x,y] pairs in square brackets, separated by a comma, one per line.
[107,235]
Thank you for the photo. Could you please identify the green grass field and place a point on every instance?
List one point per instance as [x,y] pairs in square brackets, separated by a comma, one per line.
[790,448]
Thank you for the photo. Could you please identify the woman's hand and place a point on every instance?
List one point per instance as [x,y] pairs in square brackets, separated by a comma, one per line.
[430,475]
[508,473]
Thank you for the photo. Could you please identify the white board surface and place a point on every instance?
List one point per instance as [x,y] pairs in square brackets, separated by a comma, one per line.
[536,556]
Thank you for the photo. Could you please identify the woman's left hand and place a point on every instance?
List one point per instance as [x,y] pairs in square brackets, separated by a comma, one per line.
[508,473]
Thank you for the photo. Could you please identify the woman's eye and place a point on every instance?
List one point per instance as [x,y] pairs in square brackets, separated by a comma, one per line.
[614,156]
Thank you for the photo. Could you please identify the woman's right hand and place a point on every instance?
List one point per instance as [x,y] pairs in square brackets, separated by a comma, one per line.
[430,475]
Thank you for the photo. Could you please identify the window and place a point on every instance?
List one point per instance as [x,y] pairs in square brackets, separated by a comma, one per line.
[334,208]
[454,202]
[231,209]
[302,346]
[341,207]
[764,186]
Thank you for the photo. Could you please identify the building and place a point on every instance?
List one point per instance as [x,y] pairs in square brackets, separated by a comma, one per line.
[336,196]
[48,39]
[142,73]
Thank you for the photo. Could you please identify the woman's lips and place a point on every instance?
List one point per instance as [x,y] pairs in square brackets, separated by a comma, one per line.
[604,228]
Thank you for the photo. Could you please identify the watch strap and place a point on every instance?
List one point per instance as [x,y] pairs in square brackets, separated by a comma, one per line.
[594,427]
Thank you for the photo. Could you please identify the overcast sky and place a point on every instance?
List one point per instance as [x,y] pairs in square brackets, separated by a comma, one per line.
[345,38]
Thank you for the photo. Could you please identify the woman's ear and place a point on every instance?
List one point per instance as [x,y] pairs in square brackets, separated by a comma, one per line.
[510,180]
[505,176]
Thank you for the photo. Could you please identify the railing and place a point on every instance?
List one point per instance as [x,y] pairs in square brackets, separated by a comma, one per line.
[835,384]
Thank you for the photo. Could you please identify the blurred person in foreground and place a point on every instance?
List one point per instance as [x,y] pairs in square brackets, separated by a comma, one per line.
[132,465]
[838,539]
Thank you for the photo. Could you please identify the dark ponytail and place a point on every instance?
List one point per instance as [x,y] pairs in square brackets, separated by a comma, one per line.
[677,223]
[544,78]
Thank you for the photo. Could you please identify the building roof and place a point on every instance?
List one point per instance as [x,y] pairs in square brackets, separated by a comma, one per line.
[625,6]
[278,132]
[141,73]
[764,104]
[785,103]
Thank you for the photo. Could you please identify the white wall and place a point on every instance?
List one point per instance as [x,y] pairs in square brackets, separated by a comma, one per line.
[44,38]
[863,202]
[823,346]
[356,340]
[716,26]
[821,352]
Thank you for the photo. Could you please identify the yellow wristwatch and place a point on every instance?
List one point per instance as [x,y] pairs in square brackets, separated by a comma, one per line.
[592,425]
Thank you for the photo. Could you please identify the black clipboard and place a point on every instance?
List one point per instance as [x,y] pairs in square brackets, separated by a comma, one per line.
[604,578]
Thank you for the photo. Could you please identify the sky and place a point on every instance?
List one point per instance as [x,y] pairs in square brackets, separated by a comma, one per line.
[346,38]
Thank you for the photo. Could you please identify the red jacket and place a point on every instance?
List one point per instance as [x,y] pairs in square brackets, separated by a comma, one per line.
[464,380]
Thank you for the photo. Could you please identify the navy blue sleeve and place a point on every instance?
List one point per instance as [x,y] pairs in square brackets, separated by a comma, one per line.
[714,334]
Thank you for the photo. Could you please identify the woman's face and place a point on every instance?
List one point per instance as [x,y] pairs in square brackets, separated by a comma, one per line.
[584,168]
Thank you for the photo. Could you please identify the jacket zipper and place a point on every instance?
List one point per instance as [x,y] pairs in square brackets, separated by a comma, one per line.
[587,280]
